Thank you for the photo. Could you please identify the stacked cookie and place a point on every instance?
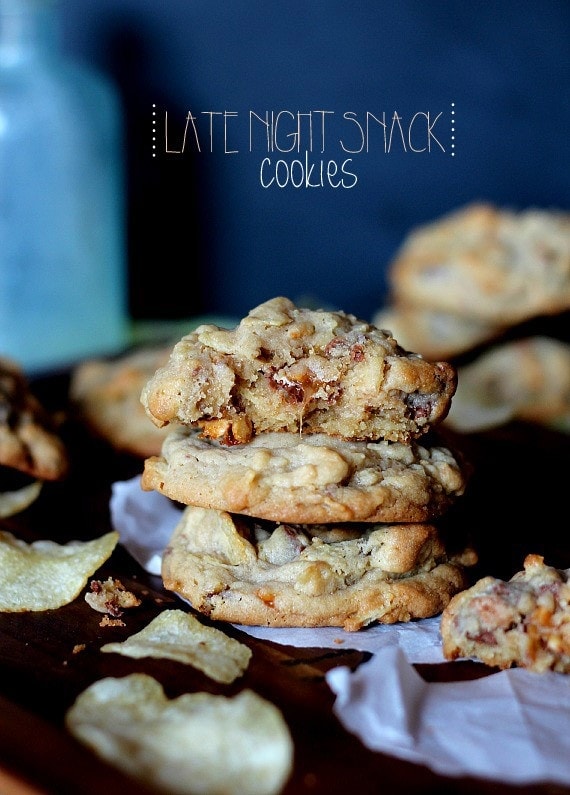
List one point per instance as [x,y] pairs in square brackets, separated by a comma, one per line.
[298,444]
[489,289]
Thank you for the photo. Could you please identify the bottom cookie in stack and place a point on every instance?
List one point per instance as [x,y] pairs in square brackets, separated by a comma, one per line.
[306,531]
[247,571]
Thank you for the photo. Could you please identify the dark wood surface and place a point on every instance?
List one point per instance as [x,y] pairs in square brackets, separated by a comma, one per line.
[515,504]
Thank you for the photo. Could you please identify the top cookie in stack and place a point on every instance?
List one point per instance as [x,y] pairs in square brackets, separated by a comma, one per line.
[285,368]
[294,435]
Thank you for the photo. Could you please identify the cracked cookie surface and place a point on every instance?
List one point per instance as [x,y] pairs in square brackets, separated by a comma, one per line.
[285,368]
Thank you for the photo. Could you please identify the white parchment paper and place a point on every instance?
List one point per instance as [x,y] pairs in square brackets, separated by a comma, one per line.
[512,726]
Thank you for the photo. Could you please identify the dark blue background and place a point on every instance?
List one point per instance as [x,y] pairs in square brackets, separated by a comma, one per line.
[214,240]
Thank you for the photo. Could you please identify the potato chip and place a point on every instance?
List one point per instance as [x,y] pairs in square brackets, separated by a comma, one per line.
[177,635]
[45,575]
[196,744]
[12,502]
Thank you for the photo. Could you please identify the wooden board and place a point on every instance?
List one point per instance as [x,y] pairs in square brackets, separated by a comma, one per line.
[515,505]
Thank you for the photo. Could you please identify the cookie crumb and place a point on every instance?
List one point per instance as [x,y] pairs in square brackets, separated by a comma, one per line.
[111,622]
[111,597]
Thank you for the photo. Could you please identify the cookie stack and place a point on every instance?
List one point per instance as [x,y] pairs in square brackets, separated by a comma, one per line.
[298,443]
[489,289]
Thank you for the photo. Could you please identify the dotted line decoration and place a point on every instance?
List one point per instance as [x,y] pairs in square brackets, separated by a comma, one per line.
[154,130]
[452,129]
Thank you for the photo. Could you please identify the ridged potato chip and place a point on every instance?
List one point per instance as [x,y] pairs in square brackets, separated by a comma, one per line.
[177,635]
[196,744]
[45,575]
[12,502]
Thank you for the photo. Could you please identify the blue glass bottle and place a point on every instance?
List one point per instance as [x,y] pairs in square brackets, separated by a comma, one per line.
[62,252]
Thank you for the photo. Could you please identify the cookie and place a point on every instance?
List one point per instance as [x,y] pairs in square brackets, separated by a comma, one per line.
[284,368]
[308,576]
[29,439]
[526,379]
[433,333]
[524,622]
[106,396]
[498,266]
[307,479]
